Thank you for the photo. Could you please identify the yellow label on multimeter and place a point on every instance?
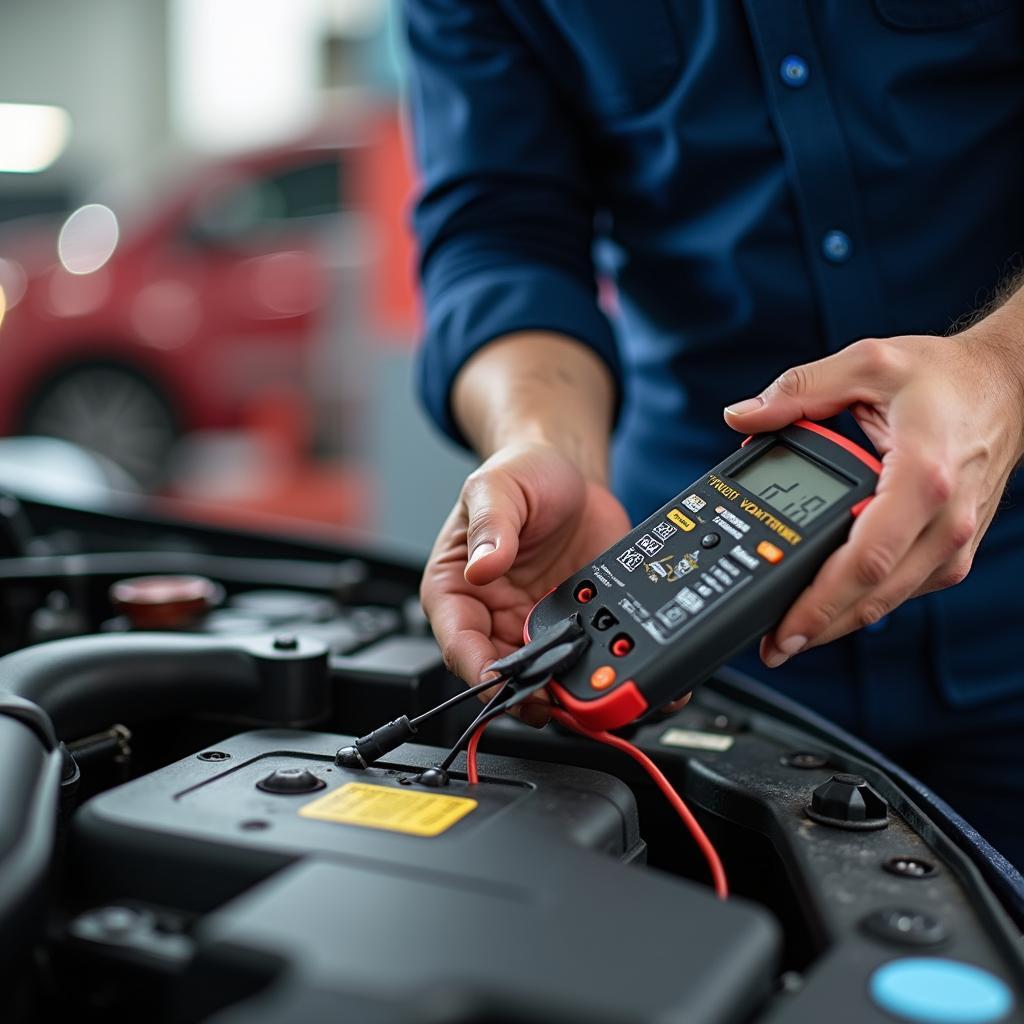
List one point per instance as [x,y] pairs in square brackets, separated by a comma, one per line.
[683,522]
[412,812]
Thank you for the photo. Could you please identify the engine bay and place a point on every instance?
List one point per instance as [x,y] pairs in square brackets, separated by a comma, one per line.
[179,840]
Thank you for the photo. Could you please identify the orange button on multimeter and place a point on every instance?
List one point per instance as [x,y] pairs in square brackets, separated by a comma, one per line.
[769,552]
[602,677]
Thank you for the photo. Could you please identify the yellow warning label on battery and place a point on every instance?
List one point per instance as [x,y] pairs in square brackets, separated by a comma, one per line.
[396,810]
[683,522]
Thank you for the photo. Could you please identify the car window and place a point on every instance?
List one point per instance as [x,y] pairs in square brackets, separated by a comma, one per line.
[298,196]
[313,190]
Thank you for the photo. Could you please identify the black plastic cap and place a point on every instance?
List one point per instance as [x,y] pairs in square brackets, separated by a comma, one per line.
[349,757]
[285,781]
[436,777]
[848,802]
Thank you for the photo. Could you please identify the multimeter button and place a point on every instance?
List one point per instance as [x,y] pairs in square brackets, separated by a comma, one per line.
[603,677]
[769,552]
[709,540]
[745,558]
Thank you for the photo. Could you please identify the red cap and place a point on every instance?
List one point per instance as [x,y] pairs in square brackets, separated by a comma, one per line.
[165,602]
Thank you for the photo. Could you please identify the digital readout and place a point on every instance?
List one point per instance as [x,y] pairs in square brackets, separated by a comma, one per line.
[792,484]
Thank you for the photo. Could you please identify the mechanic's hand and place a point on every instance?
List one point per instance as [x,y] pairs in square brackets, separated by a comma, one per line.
[947,417]
[525,520]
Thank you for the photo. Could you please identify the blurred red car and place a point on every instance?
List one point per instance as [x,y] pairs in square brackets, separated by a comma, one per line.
[121,333]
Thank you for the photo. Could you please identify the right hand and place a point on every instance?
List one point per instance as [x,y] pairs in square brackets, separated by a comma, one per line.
[524,521]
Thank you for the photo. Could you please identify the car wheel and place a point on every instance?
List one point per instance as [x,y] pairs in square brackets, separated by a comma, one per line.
[110,410]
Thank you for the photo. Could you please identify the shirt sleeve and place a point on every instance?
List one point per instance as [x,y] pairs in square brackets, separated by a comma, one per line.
[505,215]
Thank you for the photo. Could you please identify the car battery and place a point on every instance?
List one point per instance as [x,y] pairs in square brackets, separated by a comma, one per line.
[264,798]
[366,890]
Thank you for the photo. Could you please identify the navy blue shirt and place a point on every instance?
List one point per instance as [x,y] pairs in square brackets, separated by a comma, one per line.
[766,182]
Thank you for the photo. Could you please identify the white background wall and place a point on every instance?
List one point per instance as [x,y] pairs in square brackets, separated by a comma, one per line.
[102,60]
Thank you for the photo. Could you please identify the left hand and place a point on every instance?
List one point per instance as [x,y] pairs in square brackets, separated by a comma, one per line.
[947,417]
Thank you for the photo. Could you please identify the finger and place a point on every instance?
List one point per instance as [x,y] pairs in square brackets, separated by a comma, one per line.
[955,569]
[495,511]
[948,539]
[533,714]
[911,493]
[466,652]
[540,696]
[535,710]
[866,371]
[677,705]
[461,622]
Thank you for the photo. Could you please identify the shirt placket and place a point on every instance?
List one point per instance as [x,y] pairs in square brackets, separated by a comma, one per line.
[820,170]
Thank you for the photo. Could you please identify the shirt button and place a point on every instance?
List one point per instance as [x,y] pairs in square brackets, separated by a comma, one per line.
[836,246]
[794,71]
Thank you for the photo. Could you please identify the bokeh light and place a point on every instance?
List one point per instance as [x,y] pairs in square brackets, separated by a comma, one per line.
[88,239]
[32,136]
[13,282]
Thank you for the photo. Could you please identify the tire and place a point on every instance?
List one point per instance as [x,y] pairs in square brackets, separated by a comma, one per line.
[111,410]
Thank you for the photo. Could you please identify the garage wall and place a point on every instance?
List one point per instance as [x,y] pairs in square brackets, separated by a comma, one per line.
[103,61]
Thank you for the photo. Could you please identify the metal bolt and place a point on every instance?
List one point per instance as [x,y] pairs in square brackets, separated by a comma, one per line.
[213,755]
[286,642]
[909,867]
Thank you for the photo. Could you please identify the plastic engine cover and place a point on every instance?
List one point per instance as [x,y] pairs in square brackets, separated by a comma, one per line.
[324,892]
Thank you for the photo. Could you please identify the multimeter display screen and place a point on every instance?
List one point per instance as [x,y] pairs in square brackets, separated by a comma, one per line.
[792,484]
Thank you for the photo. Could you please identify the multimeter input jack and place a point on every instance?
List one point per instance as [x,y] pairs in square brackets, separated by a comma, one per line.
[621,645]
[585,592]
[603,620]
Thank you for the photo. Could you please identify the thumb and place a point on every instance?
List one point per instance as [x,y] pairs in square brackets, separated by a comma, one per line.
[813,391]
[495,513]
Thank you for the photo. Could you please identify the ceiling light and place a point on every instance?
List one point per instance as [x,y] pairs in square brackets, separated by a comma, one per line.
[32,136]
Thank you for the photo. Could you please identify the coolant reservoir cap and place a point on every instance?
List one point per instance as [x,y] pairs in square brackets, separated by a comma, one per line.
[165,602]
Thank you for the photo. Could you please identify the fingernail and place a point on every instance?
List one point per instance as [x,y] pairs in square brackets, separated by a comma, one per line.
[747,405]
[785,650]
[485,547]
[792,644]
[535,715]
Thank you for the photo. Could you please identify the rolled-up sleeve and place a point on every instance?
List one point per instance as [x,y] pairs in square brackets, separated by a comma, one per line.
[504,218]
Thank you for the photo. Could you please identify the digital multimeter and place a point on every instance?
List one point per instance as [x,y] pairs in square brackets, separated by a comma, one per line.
[709,572]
